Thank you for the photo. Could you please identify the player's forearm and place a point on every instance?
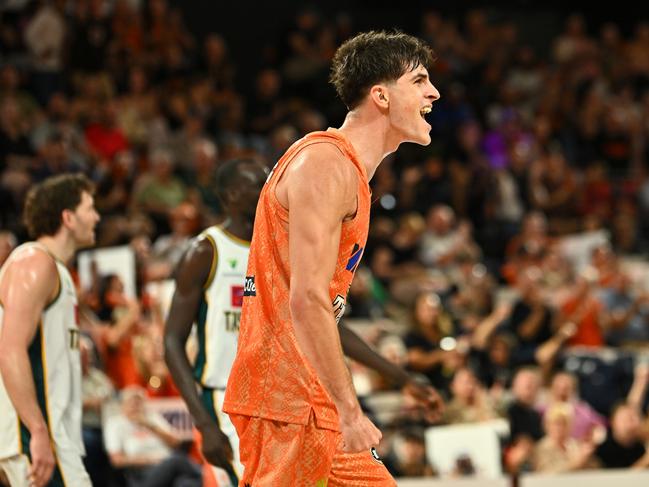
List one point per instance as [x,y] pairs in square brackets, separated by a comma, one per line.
[356,348]
[181,372]
[16,374]
[317,336]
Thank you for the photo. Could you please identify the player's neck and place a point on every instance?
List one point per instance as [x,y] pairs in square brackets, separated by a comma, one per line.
[59,246]
[369,135]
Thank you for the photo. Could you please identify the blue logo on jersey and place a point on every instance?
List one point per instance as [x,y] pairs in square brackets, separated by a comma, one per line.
[355,258]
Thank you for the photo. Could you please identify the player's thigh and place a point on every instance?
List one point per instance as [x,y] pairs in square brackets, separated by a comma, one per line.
[362,469]
[282,454]
[16,469]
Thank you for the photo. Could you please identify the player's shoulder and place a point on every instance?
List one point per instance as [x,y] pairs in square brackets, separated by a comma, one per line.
[202,246]
[323,161]
[33,271]
[324,151]
[32,259]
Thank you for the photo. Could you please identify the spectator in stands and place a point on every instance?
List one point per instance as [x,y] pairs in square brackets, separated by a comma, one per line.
[184,221]
[626,313]
[16,153]
[431,323]
[365,298]
[90,36]
[624,445]
[153,374]
[637,396]
[557,451]
[531,318]
[103,135]
[407,457]
[157,192]
[138,111]
[52,158]
[470,402]
[524,419]
[586,423]
[443,240]
[200,181]
[266,109]
[59,118]
[115,182]
[557,273]
[121,316]
[553,189]
[533,238]
[584,309]
[491,351]
[404,245]
[45,35]
[141,443]
[12,86]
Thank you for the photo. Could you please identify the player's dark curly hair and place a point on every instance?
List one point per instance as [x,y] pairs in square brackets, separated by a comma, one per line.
[46,201]
[375,57]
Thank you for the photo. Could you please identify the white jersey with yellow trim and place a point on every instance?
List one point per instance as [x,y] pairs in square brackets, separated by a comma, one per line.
[56,371]
[217,324]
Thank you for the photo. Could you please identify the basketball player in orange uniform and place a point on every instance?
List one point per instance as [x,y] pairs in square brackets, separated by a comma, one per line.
[290,394]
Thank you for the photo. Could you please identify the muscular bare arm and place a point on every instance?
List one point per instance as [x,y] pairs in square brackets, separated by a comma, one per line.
[29,285]
[193,273]
[321,189]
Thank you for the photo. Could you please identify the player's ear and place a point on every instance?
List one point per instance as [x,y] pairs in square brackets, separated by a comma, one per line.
[66,218]
[380,96]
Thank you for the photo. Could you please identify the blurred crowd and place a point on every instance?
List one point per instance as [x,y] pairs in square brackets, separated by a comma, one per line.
[505,261]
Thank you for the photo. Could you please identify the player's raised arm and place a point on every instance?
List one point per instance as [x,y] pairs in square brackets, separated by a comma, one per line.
[29,285]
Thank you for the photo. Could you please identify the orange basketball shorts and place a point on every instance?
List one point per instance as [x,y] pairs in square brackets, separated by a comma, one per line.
[277,454]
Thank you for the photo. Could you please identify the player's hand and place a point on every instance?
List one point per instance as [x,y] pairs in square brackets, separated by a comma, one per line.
[359,433]
[216,446]
[426,397]
[42,466]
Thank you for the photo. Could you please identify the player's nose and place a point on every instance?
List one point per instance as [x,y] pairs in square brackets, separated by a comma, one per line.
[432,93]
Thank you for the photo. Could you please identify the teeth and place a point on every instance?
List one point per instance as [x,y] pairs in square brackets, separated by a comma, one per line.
[425,110]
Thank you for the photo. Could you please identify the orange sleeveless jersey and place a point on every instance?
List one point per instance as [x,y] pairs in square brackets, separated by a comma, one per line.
[270,378]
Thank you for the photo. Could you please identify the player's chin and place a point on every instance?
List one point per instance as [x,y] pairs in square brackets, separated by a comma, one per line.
[422,139]
[88,242]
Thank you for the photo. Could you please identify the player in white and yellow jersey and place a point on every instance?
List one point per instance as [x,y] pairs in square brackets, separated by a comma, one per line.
[40,380]
[209,292]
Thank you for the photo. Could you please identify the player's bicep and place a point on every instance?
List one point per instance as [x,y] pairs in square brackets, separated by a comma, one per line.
[313,246]
[191,277]
[31,284]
